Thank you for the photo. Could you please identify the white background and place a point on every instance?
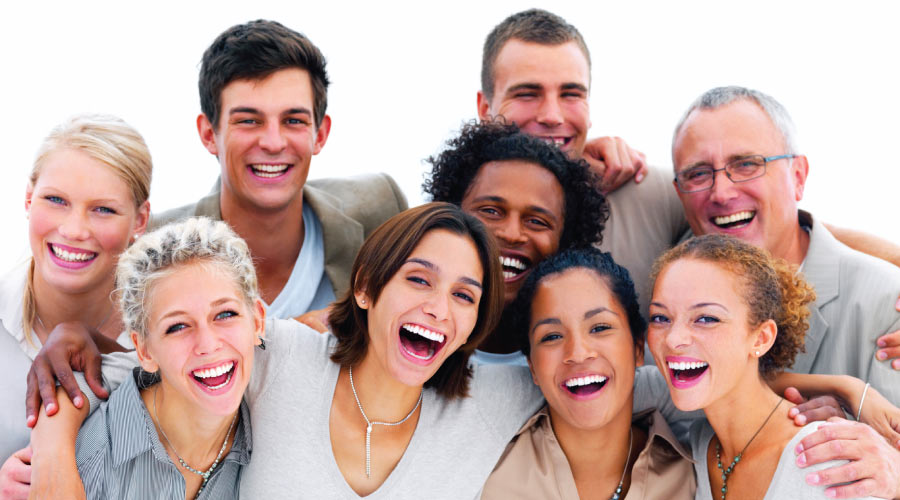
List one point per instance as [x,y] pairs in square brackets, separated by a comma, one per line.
[405,76]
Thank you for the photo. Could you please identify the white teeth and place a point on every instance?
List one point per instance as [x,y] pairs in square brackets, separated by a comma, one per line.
[72,256]
[728,219]
[590,379]
[270,168]
[214,372]
[508,275]
[512,262]
[555,141]
[686,365]
[424,332]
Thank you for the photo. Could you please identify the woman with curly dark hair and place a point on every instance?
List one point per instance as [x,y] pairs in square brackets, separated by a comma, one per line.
[531,196]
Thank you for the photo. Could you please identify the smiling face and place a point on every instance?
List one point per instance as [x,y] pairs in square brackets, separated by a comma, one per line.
[544,90]
[583,355]
[81,216]
[523,205]
[200,337]
[761,211]
[427,310]
[700,334]
[265,139]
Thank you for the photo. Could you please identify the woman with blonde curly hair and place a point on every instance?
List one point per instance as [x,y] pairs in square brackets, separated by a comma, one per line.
[724,318]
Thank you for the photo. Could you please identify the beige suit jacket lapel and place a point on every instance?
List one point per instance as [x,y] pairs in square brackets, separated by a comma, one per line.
[342,236]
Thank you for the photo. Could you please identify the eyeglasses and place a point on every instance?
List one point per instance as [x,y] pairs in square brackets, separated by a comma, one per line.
[745,168]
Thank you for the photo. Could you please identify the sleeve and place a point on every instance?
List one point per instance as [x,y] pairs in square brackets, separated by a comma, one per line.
[93,475]
[116,367]
[506,397]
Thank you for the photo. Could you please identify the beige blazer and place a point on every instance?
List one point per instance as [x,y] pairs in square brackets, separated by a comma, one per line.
[349,209]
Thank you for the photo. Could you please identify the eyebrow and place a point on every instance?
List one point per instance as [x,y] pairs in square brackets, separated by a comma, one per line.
[599,310]
[214,303]
[546,321]
[254,111]
[524,86]
[574,86]
[707,304]
[432,267]
[533,208]
[731,158]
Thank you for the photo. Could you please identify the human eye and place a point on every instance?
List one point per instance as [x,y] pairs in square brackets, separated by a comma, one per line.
[466,296]
[417,280]
[600,328]
[744,167]
[550,337]
[707,319]
[226,314]
[490,212]
[697,174]
[538,222]
[56,200]
[105,210]
[658,319]
[177,327]
[296,121]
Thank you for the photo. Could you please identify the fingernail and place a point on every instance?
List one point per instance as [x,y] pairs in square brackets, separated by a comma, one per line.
[799,449]
[896,364]
[50,407]
[801,419]
[881,343]
[640,177]
[831,493]
[801,460]
[812,478]
[882,355]
[77,402]
[30,421]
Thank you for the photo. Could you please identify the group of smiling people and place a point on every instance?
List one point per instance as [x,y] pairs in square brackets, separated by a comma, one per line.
[483,347]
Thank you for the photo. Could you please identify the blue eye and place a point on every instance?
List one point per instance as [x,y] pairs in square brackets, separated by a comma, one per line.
[226,314]
[55,200]
[706,319]
[106,210]
[177,327]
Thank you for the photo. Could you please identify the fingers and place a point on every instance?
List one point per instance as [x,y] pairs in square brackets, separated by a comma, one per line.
[641,166]
[864,488]
[32,398]
[792,394]
[613,161]
[46,385]
[828,441]
[889,349]
[63,372]
[817,409]
[24,455]
[93,376]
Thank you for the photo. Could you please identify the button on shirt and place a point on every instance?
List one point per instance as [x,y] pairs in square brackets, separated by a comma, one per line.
[119,454]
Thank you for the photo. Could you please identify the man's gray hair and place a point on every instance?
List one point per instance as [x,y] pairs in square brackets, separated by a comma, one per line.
[721,96]
[159,253]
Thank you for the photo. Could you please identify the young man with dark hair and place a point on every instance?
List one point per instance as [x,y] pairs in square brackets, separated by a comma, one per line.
[263,95]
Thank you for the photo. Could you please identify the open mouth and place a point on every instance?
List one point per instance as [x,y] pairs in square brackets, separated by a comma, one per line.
[269,171]
[513,266]
[420,343]
[559,142]
[70,256]
[585,386]
[686,373]
[735,220]
[215,378]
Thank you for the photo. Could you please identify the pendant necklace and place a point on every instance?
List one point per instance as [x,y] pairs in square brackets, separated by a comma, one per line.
[727,472]
[205,475]
[627,457]
[370,423]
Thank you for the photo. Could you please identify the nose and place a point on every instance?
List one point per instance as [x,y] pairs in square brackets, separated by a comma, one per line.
[272,139]
[510,231]
[75,226]
[206,340]
[722,190]
[437,305]
[677,337]
[550,113]
[578,349]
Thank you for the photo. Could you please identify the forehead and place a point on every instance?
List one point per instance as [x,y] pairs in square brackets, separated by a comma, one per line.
[737,128]
[191,286]
[520,62]
[70,168]
[280,91]
[452,255]
[573,292]
[519,182]
[689,281]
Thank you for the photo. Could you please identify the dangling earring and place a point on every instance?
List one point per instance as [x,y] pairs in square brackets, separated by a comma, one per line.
[262,342]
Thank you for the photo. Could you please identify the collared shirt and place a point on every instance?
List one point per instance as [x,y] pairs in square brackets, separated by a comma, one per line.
[119,454]
[535,465]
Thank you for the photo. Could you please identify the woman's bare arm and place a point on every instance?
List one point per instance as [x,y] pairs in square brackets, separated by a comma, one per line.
[54,473]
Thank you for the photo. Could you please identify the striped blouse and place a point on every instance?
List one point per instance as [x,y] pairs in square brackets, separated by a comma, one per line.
[119,454]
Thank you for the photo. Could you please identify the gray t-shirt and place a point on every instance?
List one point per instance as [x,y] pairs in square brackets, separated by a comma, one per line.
[789,480]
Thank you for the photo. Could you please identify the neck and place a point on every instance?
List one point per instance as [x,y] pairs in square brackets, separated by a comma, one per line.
[93,308]
[793,248]
[736,417]
[274,237]
[383,397]
[597,452]
[196,435]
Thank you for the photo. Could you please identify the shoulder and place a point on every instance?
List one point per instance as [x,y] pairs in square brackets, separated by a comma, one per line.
[12,289]
[369,199]
[208,206]
[290,347]
[505,396]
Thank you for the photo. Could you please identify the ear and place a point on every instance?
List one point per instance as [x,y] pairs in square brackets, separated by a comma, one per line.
[207,134]
[639,355]
[531,369]
[484,107]
[799,172]
[140,347]
[29,193]
[259,322]
[362,299]
[141,220]
[322,132]
[765,338]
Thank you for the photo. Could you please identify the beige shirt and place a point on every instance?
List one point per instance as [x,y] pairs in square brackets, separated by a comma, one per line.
[534,465]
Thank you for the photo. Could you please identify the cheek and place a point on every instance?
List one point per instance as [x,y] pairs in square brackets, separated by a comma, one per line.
[547,242]
[40,224]
[114,236]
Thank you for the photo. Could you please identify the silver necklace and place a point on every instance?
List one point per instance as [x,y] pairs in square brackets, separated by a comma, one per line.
[204,475]
[618,491]
[370,423]
[727,472]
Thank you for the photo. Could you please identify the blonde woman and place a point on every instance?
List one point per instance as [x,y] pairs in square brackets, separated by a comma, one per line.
[86,201]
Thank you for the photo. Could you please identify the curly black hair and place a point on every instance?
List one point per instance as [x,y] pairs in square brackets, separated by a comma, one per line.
[602,264]
[454,170]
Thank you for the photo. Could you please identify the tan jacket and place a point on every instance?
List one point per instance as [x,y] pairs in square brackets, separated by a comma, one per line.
[534,465]
[349,209]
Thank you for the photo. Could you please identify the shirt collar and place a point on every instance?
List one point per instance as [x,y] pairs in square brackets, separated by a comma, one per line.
[12,291]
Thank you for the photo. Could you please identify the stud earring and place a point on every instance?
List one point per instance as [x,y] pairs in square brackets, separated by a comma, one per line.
[757,354]
[363,301]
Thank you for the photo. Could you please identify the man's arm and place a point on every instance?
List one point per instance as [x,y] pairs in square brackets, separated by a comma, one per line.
[867,244]
[614,162]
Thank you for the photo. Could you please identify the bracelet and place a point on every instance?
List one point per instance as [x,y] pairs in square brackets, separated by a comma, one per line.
[861,401]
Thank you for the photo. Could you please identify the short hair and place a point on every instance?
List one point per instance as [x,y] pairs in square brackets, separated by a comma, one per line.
[455,169]
[379,259]
[107,139]
[532,25]
[196,240]
[253,51]
[722,96]
[772,289]
[591,259]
